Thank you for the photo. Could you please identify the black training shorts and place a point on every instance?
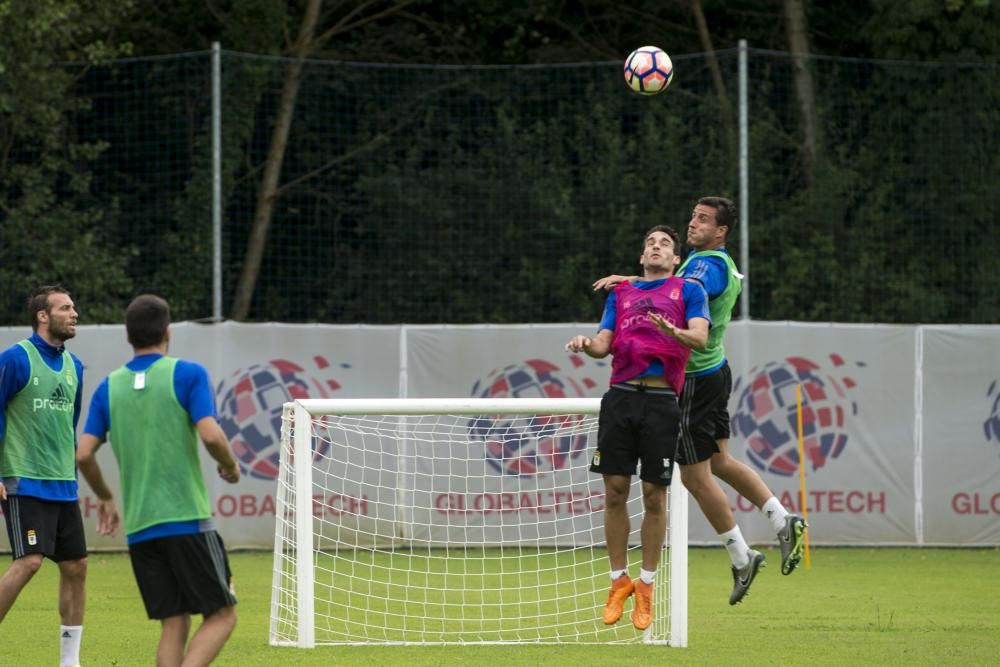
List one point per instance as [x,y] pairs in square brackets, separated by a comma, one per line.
[637,426]
[53,528]
[183,574]
[704,415]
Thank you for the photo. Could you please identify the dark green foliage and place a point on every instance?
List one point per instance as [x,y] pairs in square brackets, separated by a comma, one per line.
[497,194]
[54,228]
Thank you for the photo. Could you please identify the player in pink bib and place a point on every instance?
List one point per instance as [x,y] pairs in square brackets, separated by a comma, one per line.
[650,327]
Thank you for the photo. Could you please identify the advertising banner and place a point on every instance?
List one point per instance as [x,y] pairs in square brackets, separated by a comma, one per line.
[901,429]
[254,368]
[959,452]
[524,485]
[857,393]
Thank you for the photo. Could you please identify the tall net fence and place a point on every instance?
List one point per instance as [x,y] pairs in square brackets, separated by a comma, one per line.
[429,194]
[154,175]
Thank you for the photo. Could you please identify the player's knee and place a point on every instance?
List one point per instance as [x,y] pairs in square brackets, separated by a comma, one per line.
[696,478]
[615,490]
[654,503]
[615,499]
[74,569]
[224,618]
[721,465]
[29,564]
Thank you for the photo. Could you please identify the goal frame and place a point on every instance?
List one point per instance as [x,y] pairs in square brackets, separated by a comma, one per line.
[302,412]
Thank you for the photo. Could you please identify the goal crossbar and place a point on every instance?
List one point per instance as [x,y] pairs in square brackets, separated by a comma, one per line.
[451,406]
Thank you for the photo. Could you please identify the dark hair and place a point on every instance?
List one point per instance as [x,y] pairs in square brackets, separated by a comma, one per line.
[725,211]
[39,300]
[669,231]
[146,320]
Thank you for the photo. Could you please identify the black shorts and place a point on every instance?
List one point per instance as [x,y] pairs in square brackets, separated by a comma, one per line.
[704,415]
[53,528]
[637,426]
[183,574]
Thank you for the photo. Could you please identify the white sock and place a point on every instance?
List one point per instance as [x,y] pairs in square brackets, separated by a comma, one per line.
[69,645]
[775,513]
[736,546]
[617,574]
[646,575]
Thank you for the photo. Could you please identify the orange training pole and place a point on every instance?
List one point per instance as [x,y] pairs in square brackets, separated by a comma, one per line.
[802,466]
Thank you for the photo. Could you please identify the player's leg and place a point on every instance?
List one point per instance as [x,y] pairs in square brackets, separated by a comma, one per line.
[654,524]
[203,575]
[32,534]
[790,528]
[615,460]
[210,637]
[70,554]
[658,431]
[162,597]
[712,500]
[740,476]
[14,580]
[700,404]
[173,638]
[616,521]
[72,599]
[653,531]
[616,530]
[735,473]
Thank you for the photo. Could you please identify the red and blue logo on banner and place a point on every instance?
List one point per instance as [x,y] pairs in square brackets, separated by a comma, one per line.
[250,406]
[766,414]
[528,445]
[991,427]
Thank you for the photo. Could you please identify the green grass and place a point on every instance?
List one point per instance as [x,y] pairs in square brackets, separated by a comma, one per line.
[855,606]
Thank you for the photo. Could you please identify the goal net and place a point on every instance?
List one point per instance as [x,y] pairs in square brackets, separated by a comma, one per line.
[454,521]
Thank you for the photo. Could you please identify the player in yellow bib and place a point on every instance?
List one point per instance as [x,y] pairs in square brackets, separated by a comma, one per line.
[155,408]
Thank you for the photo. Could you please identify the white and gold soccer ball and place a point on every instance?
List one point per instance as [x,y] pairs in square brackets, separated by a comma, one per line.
[648,70]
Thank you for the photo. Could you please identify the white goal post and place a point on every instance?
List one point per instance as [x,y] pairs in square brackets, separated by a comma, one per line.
[455,521]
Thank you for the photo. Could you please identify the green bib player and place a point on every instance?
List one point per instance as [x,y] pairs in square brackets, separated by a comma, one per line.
[41,385]
[154,409]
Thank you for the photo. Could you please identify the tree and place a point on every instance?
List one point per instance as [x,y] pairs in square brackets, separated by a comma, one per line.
[797,30]
[50,228]
[317,28]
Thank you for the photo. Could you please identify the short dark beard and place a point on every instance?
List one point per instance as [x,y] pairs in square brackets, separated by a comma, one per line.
[60,334]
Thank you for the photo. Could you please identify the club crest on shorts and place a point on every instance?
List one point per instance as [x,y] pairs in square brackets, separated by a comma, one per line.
[32,538]
[597,458]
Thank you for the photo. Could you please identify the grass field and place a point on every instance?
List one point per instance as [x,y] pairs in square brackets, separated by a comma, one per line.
[854,607]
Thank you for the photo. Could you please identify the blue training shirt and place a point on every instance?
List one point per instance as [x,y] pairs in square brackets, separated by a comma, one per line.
[194,393]
[695,305]
[713,274]
[15,372]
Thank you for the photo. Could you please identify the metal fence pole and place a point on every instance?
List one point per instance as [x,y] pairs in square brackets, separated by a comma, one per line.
[216,182]
[744,182]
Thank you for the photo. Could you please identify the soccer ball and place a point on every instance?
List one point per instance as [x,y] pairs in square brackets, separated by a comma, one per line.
[648,70]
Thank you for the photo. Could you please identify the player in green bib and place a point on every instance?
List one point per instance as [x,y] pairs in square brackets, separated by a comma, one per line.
[155,408]
[702,450]
[41,385]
